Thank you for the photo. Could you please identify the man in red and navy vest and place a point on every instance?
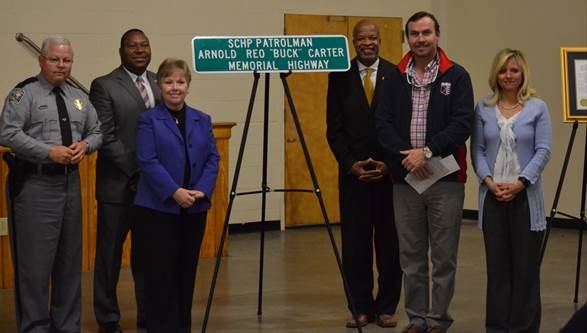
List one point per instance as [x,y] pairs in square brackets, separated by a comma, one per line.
[425,113]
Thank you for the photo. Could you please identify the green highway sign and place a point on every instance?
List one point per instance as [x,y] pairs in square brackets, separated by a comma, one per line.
[247,54]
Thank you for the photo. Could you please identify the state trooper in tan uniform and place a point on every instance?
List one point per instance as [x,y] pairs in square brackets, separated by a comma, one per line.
[50,127]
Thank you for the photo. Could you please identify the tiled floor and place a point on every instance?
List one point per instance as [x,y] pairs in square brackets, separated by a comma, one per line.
[303,292]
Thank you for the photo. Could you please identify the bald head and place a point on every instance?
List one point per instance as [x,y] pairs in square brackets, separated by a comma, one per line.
[366,41]
[365,23]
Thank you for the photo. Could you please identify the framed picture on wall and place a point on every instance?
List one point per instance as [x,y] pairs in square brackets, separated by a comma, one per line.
[574,76]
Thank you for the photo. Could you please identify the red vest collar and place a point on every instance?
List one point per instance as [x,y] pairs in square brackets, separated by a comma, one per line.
[444,62]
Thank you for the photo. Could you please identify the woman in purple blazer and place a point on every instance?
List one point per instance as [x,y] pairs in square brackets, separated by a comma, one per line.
[178,165]
[511,145]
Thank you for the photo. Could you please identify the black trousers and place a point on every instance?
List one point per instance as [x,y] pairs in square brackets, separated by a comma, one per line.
[114,223]
[367,223]
[168,250]
[513,273]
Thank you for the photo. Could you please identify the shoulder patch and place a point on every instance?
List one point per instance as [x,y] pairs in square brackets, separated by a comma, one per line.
[16,95]
[27,81]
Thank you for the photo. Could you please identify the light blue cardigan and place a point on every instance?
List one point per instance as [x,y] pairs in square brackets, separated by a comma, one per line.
[533,146]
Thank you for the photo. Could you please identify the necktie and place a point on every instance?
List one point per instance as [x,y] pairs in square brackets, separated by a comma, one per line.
[64,124]
[368,85]
[143,91]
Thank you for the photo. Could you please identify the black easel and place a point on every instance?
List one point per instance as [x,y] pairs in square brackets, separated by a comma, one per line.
[265,189]
[581,219]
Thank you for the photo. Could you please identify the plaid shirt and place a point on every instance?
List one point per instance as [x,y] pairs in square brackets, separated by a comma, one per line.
[420,97]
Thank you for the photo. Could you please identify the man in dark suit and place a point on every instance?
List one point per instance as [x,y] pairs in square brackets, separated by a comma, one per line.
[119,98]
[366,203]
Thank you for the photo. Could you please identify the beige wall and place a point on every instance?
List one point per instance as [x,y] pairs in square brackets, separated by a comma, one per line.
[472,31]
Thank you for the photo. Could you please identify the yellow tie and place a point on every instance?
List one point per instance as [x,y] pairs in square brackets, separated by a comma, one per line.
[368,85]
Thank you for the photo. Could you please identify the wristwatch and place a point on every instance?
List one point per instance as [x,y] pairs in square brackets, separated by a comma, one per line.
[524,181]
[427,153]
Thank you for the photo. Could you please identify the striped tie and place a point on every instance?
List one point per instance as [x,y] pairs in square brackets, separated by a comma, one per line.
[143,91]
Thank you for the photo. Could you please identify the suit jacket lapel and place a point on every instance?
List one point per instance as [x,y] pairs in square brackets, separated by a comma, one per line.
[191,117]
[378,86]
[129,86]
[358,83]
[154,87]
[164,116]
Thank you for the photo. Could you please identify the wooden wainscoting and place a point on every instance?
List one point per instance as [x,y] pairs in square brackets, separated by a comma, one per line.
[215,221]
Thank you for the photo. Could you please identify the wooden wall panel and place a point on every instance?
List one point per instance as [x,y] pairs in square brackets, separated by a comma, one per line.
[215,219]
[87,199]
[6,276]
[309,92]
[214,222]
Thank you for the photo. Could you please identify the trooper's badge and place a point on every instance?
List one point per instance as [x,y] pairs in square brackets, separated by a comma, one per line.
[16,95]
[445,88]
[78,104]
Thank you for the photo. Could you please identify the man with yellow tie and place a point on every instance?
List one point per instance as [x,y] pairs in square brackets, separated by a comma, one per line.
[365,189]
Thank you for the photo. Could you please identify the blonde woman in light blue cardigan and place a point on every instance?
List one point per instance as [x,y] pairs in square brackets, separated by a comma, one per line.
[510,146]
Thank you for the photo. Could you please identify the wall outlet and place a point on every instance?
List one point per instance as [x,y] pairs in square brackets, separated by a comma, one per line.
[3,226]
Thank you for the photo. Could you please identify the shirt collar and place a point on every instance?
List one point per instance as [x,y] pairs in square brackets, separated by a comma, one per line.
[373,66]
[431,67]
[133,76]
[48,87]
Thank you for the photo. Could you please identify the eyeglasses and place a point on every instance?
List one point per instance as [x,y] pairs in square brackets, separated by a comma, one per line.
[57,61]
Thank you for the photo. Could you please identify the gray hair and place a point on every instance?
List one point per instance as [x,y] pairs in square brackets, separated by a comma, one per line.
[56,40]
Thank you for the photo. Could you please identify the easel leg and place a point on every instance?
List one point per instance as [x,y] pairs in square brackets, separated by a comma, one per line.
[263,193]
[553,211]
[581,224]
[559,188]
[230,202]
[578,272]
[318,193]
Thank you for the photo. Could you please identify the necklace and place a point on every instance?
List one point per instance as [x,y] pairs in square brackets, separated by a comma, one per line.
[508,108]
